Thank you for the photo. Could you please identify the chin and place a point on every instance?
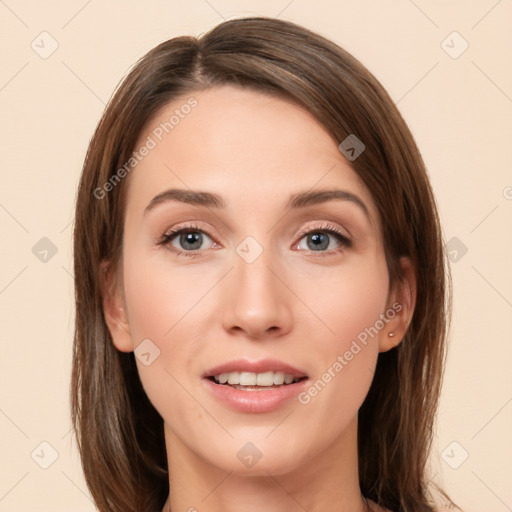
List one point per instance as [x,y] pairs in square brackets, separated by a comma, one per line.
[256,458]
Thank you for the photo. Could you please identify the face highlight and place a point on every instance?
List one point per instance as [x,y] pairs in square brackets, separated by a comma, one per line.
[247,235]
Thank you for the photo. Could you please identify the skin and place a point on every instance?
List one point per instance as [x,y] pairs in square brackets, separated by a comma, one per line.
[293,303]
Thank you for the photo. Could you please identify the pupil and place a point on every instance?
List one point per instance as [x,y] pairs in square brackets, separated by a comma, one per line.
[319,240]
[191,238]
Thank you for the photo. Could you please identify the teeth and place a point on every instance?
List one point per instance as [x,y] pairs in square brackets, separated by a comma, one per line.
[247,379]
[278,378]
[266,379]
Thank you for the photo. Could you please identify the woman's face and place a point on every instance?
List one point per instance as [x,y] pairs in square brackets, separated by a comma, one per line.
[270,268]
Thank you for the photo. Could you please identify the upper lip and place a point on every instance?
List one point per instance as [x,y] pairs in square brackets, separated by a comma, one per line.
[260,366]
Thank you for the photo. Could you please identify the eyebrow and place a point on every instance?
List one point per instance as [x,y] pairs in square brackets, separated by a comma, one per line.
[299,200]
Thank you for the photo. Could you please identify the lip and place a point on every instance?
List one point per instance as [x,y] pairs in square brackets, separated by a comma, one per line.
[267,400]
[261,366]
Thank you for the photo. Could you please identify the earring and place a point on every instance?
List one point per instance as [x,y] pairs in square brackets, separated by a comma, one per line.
[391,334]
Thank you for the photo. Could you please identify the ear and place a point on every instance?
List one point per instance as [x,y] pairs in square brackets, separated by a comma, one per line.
[400,308]
[114,308]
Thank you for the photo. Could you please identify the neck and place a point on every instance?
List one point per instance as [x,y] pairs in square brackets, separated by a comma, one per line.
[327,482]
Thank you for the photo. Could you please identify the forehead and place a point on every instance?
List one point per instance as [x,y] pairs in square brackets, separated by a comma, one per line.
[252,148]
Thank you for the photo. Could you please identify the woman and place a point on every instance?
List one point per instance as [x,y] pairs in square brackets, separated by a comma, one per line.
[261,296]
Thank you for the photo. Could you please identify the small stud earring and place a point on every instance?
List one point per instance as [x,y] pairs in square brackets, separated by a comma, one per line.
[391,334]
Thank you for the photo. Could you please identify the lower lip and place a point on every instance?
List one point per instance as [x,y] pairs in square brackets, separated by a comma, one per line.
[266,400]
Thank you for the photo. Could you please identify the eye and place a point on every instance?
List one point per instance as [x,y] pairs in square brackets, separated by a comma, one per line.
[189,240]
[325,239]
[186,240]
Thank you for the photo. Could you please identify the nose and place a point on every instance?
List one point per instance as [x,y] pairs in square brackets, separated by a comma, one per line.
[257,300]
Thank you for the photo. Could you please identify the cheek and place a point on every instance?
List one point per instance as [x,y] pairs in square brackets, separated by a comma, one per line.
[348,304]
[345,301]
[166,307]
[158,298]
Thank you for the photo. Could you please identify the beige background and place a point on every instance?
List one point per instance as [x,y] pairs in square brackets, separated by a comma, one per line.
[459,110]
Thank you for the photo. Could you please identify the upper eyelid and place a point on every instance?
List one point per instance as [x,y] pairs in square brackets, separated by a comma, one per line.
[324,226]
[321,226]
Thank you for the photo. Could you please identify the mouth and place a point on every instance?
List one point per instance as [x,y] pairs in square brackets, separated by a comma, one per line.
[251,392]
[255,386]
[250,381]
[255,375]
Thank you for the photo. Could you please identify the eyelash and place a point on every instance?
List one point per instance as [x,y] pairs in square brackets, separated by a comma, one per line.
[344,240]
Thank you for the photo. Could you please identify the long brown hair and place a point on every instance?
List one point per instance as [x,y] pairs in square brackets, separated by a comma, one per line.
[119,433]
